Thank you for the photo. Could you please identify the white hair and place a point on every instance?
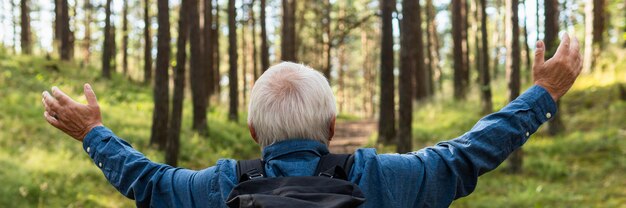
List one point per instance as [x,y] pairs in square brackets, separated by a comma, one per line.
[291,101]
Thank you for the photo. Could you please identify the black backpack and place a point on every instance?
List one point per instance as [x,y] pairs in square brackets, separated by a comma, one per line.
[329,187]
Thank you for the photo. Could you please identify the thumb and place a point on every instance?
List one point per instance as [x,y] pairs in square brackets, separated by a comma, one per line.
[90,95]
[540,51]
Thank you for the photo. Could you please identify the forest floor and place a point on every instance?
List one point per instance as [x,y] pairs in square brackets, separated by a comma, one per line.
[351,135]
[41,167]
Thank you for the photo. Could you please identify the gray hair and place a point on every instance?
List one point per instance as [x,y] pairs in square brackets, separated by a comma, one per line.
[291,101]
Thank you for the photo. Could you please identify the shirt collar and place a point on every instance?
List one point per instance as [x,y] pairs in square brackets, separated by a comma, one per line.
[293,145]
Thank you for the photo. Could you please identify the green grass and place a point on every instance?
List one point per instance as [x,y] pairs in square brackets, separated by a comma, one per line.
[42,167]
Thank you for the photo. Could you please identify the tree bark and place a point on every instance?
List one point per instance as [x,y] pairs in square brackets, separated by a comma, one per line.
[433,47]
[232,60]
[551,29]
[422,77]
[216,49]
[265,54]
[386,122]
[288,41]
[66,33]
[173,133]
[147,51]
[409,38]
[595,27]
[208,48]
[483,63]
[125,38]
[198,75]
[513,69]
[459,49]
[88,8]
[25,26]
[106,47]
[161,79]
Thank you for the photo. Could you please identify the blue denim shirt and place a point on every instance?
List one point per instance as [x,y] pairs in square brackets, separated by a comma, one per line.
[431,177]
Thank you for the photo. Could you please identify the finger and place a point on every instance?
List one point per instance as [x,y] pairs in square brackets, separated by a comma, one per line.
[564,46]
[49,100]
[540,52]
[574,46]
[53,121]
[90,95]
[60,95]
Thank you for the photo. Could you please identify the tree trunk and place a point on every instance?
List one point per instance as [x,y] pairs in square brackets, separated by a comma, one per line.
[147,51]
[106,47]
[25,26]
[386,122]
[288,41]
[255,66]
[161,79]
[595,27]
[216,50]
[265,54]
[66,33]
[232,60]
[459,49]
[513,69]
[327,45]
[198,75]
[433,46]
[244,57]
[208,48]
[87,39]
[422,84]
[125,38]
[409,38]
[551,29]
[483,63]
[173,133]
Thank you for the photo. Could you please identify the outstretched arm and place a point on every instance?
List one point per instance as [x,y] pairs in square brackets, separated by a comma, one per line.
[129,171]
[450,169]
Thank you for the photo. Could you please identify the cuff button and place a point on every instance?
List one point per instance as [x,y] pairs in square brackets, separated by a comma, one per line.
[548,115]
[88,149]
[527,134]
[100,164]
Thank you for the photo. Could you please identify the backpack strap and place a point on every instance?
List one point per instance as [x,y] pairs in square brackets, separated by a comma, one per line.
[250,169]
[335,166]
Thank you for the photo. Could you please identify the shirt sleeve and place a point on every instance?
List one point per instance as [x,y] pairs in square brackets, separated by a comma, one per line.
[148,183]
[450,169]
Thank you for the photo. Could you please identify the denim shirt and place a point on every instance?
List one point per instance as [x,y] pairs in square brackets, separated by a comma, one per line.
[430,177]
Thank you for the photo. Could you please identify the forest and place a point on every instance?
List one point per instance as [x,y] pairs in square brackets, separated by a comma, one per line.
[173,78]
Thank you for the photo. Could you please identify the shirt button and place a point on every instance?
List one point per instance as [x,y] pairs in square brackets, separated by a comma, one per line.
[527,134]
[100,164]
[88,148]
[548,115]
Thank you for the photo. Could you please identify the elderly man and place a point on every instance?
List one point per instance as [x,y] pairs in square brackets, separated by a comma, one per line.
[292,117]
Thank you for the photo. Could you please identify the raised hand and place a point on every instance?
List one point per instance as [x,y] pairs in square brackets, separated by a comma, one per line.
[557,75]
[69,116]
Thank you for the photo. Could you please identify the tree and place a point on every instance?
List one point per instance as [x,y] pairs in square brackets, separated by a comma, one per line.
[265,54]
[216,50]
[66,36]
[88,8]
[125,38]
[483,62]
[551,29]
[422,76]
[107,53]
[461,70]
[173,133]
[208,48]
[160,116]
[147,50]
[288,41]
[254,45]
[594,28]
[513,68]
[198,73]
[386,123]
[433,46]
[409,36]
[25,26]
[232,60]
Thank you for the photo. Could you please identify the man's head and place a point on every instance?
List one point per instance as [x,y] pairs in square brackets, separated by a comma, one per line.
[291,101]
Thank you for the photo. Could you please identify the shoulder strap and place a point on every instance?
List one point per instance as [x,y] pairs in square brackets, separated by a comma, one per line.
[335,166]
[250,169]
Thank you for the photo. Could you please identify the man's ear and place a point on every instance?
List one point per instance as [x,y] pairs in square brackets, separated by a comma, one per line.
[252,132]
[331,128]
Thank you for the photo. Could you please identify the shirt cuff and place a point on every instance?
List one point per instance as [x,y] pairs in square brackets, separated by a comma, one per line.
[541,102]
[94,136]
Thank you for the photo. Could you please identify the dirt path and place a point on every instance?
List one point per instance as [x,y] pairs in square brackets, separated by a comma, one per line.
[351,135]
